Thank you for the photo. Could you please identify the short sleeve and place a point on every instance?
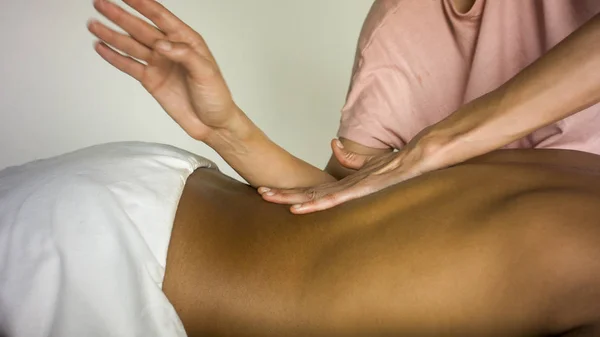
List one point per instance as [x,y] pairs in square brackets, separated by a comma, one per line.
[377,83]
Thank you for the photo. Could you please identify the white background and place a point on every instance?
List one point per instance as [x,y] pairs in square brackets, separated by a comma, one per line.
[288,64]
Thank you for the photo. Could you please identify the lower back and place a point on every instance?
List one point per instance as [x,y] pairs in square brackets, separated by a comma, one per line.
[237,263]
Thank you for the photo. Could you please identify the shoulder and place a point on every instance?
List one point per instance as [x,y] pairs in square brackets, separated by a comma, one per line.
[381,19]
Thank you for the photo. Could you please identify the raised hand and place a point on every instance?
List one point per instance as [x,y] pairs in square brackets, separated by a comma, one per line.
[171,61]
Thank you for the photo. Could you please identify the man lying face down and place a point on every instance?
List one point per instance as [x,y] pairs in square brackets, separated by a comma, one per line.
[503,245]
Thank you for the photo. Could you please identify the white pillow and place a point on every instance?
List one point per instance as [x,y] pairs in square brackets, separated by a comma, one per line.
[84,238]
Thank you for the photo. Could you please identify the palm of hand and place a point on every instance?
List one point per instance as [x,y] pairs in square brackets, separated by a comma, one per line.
[167,81]
[194,94]
[375,174]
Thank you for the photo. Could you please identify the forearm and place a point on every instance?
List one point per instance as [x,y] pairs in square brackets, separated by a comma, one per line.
[564,81]
[260,161]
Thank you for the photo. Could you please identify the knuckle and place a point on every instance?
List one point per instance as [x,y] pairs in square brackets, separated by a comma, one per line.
[184,48]
[155,15]
[311,194]
[197,41]
[119,16]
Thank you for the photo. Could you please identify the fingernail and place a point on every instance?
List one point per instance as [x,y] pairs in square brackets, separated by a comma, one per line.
[339,144]
[164,45]
[297,206]
[263,190]
[270,194]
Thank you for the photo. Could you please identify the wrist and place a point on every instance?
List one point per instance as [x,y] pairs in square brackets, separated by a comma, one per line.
[430,148]
[236,136]
[471,131]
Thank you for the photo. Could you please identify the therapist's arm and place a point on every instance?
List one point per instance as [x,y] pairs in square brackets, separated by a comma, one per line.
[259,160]
[563,82]
[263,163]
[175,65]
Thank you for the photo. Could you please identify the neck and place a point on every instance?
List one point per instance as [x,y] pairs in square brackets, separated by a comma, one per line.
[463,6]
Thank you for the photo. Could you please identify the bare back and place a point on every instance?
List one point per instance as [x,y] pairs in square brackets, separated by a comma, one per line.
[506,244]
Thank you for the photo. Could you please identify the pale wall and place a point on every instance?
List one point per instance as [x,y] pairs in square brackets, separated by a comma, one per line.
[287,62]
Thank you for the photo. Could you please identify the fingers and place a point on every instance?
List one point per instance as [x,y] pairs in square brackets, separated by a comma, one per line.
[139,29]
[348,159]
[197,65]
[126,64]
[119,41]
[175,29]
[289,197]
[355,189]
[159,15]
[300,195]
[329,200]
[171,27]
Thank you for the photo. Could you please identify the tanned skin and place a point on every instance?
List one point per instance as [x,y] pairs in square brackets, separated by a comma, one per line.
[507,244]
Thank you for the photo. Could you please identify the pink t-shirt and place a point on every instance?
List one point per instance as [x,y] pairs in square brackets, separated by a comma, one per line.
[418,61]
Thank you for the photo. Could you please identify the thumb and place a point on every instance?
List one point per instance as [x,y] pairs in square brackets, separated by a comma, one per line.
[348,159]
[198,67]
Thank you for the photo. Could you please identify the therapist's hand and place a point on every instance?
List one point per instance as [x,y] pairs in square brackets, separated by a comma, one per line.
[171,61]
[374,174]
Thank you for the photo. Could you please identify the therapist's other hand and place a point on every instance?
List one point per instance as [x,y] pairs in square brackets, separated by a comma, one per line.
[373,174]
[171,61]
